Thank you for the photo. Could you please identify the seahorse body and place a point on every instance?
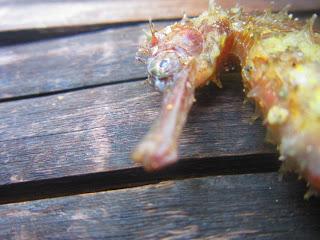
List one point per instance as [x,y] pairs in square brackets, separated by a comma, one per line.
[280,61]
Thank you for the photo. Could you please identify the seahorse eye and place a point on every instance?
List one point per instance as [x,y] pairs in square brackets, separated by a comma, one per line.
[162,69]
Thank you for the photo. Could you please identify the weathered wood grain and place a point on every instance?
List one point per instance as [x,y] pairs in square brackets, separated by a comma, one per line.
[94,130]
[223,207]
[70,62]
[21,15]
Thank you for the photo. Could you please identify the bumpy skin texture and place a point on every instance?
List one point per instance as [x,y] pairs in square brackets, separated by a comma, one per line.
[280,61]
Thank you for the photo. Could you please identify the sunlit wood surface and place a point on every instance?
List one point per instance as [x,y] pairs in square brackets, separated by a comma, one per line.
[73,104]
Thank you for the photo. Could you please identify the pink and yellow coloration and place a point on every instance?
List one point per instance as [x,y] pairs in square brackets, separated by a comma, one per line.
[280,61]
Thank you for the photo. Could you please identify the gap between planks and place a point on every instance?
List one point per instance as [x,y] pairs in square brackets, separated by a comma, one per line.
[128,178]
[16,37]
[58,92]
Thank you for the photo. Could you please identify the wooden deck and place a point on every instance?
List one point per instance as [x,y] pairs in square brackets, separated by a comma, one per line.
[73,104]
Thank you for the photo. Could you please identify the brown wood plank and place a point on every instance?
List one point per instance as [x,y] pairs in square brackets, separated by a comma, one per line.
[223,207]
[70,62]
[52,14]
[35,14]
[94,130]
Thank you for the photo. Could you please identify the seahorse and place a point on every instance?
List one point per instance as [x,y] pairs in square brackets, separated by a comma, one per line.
[280,66]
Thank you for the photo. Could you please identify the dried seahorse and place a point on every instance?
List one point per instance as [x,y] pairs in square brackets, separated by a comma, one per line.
[280,61]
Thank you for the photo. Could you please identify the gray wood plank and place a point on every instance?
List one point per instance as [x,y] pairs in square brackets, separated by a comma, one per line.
[223,207]
[94,130]
[23,15]
[71,62]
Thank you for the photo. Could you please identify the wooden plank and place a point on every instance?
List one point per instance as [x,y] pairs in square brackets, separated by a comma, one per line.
[72,62]
[94,130]
[52,14]
[225,207]
[21,15]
